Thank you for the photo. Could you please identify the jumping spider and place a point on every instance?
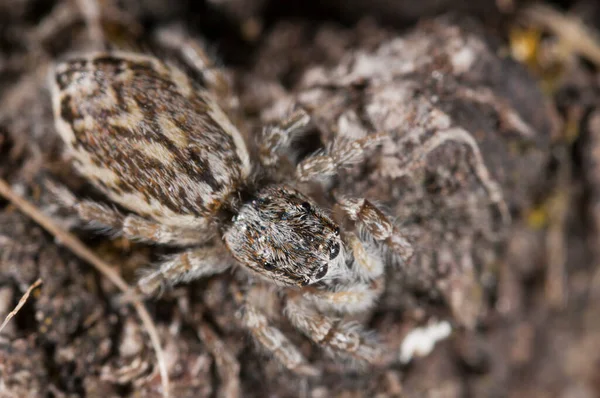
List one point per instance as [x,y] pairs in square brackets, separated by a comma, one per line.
[156,142]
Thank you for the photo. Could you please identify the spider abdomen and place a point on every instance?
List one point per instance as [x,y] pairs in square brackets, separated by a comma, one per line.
[148,136]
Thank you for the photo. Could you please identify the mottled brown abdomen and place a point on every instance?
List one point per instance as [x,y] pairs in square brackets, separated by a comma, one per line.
[147,136]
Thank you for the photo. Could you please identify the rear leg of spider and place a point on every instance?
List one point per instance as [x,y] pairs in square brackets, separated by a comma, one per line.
[193,53]
[131,226]
[185,266]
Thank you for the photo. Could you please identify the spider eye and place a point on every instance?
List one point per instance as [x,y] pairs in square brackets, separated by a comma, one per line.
[269,266]
[306,206]
[334,250]
[336,231]
[322,271]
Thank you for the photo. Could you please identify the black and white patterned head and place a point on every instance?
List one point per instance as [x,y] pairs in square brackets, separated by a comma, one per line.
[284,236]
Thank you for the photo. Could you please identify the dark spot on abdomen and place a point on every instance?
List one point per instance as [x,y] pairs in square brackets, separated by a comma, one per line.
[111,61]
[66,109]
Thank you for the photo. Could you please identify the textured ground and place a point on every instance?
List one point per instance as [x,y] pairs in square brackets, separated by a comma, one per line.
[522,297]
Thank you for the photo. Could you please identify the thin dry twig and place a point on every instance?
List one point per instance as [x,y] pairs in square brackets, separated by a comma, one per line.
[20,304]
[80,250]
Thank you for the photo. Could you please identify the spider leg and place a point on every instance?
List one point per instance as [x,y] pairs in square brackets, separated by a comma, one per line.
[350,298]
[275,149]
[135,227]
[367,262]
[192,52]
[375,222]
[355,291]
[322,166]
[94,14]
[346,339]
[186,266]
[271,339]
[131,226]
[275,140]
[358,285]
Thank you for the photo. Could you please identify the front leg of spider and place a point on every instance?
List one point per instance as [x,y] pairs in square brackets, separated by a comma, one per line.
[322,166]
[315,310]
[358,286]
[271,339]
[345,339]
[375,222]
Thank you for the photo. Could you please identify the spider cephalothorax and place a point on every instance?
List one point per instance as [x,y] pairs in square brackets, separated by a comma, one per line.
[287,235]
